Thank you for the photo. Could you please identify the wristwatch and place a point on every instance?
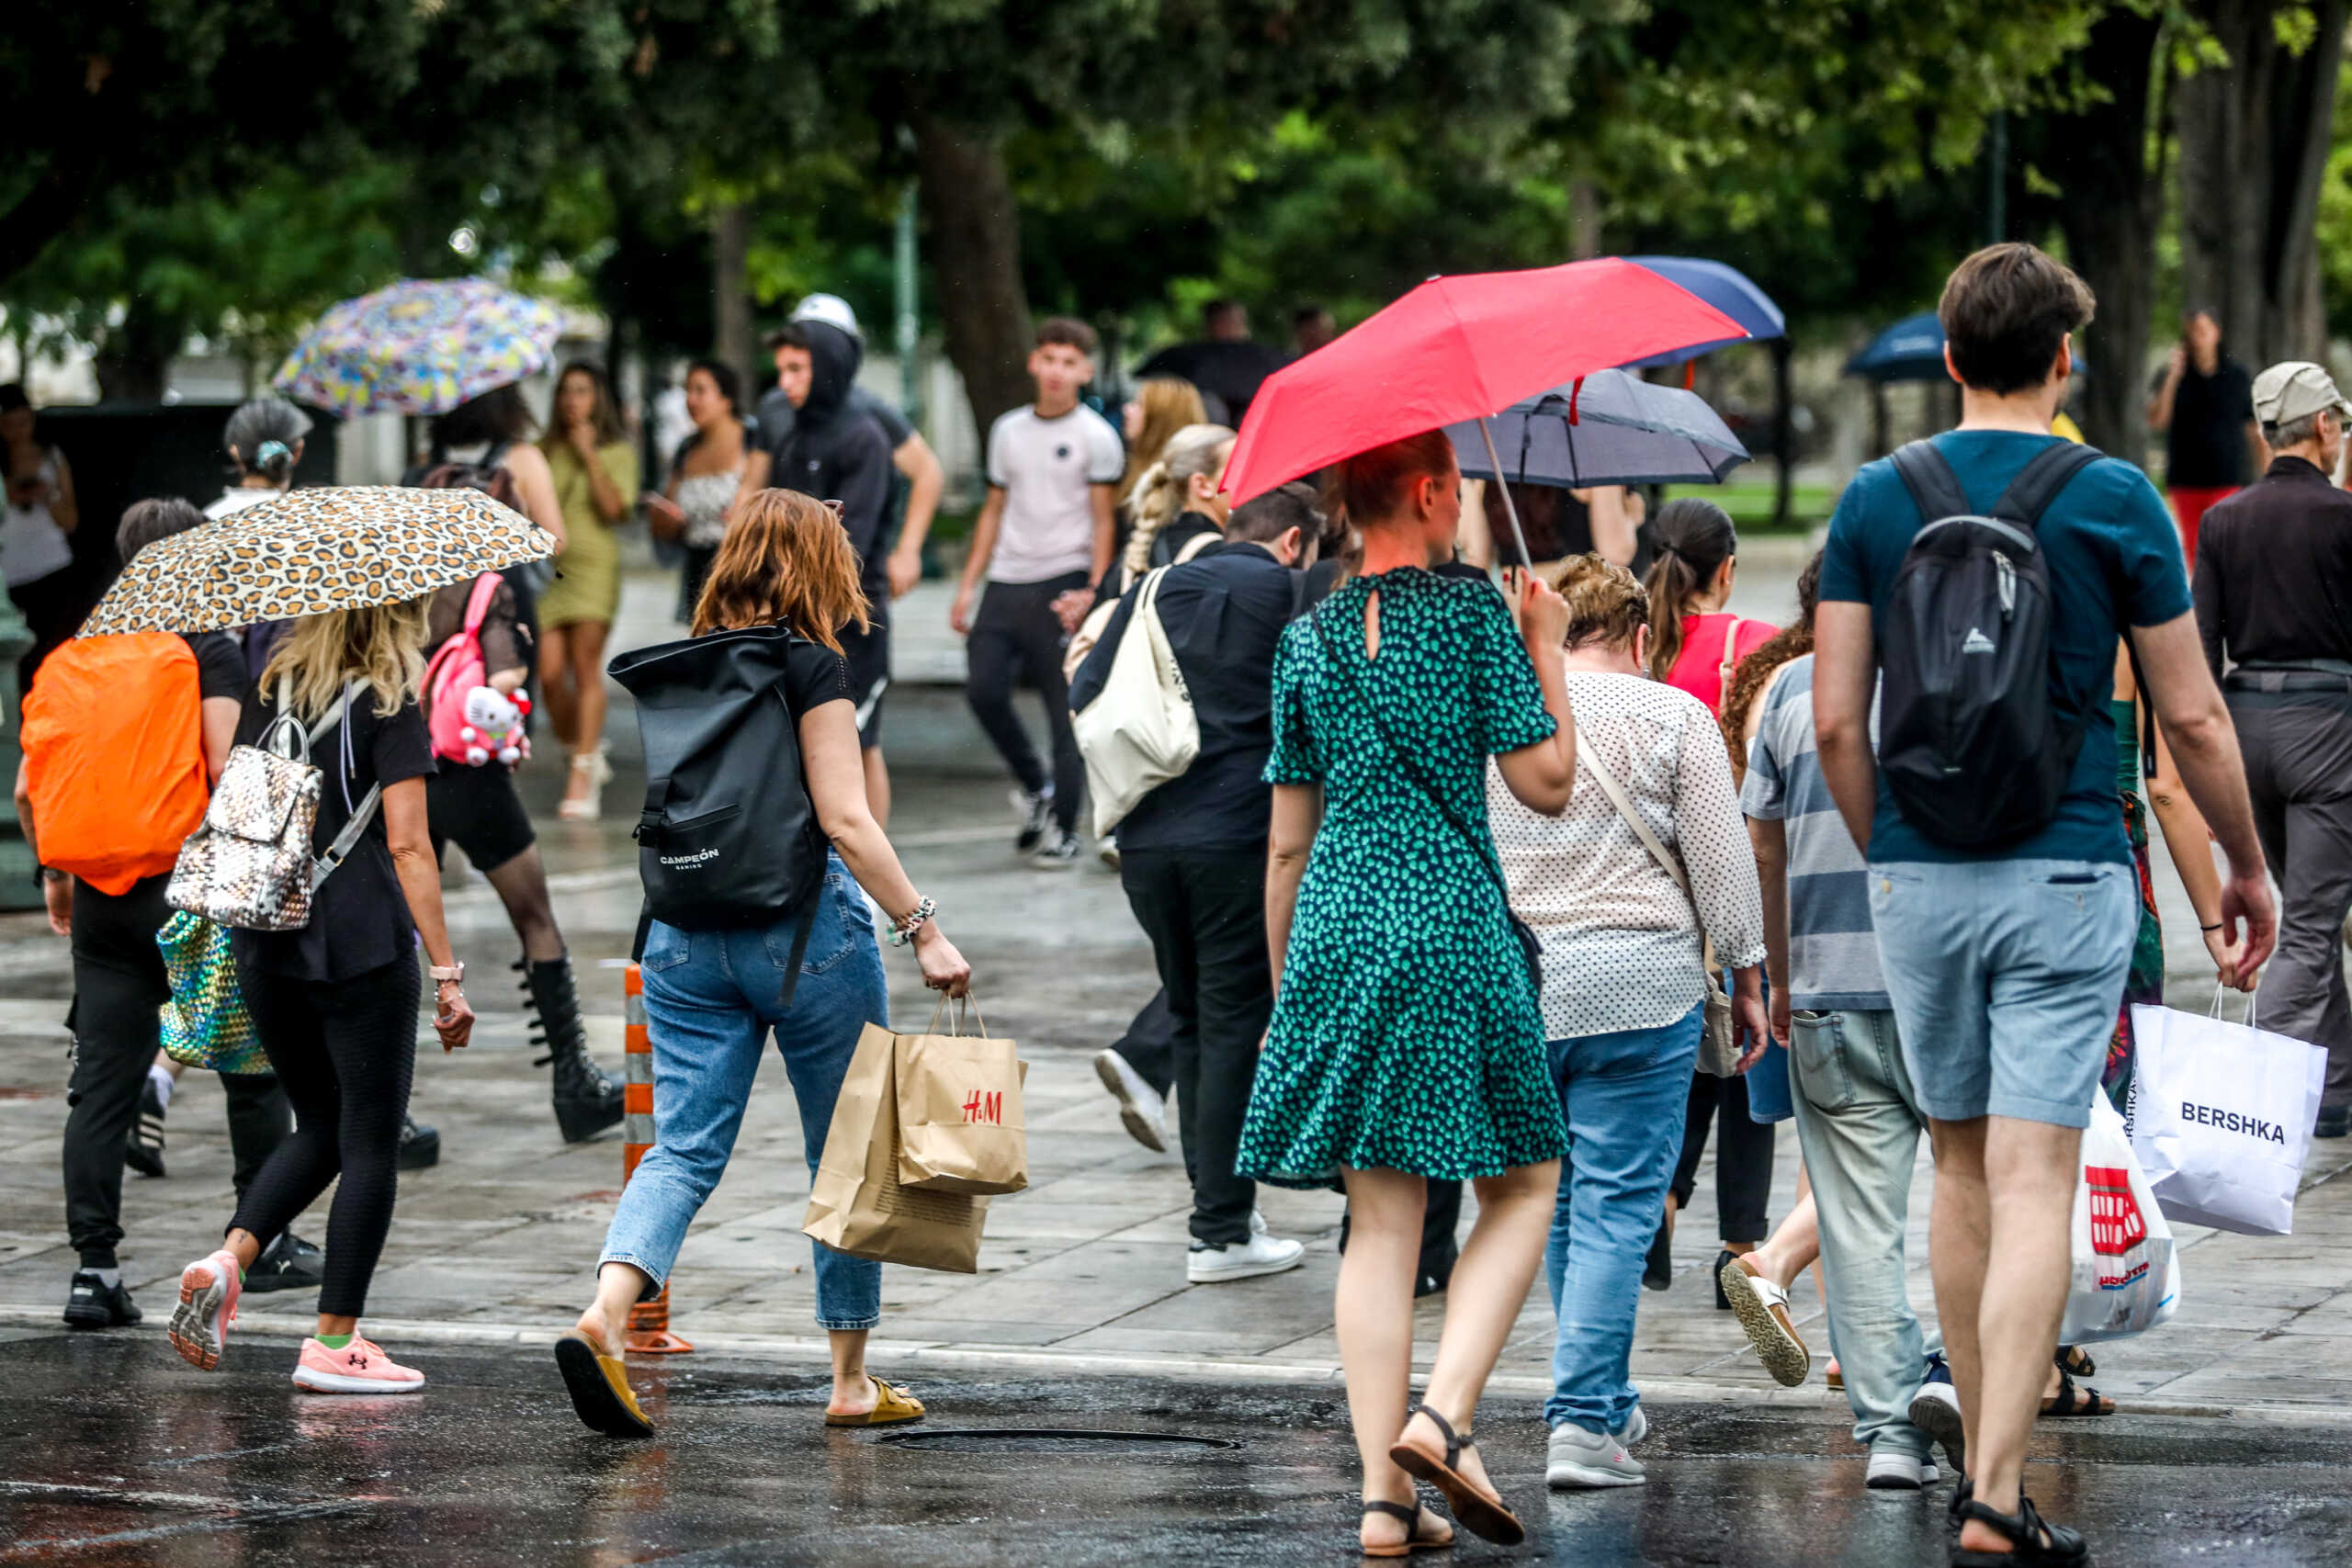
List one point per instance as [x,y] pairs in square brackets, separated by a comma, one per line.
[455,972]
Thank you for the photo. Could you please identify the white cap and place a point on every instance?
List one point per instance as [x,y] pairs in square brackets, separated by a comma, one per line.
[831,310]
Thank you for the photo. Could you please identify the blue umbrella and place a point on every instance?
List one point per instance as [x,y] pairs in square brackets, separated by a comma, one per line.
[1611,428]
[1728,289]
[1910,350]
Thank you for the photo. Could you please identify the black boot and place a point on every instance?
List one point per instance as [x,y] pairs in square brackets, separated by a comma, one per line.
[586,1102]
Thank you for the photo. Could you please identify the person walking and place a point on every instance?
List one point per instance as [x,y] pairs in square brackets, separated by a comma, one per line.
[1696,646]
[2202,403]
[706,474]
[1407,1045]
[1161,406]
[592,464]
[263,439]
[36,533]
[2004,963]
[474,804]
[118,978]
[1043,539]
[334,1001]
[2273,575]
[1624,998]
[1192,853]
[711,997]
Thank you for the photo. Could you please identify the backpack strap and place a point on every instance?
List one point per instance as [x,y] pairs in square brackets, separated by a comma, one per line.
[1935,488]
[478,607]
[2039,482]
[1730,664]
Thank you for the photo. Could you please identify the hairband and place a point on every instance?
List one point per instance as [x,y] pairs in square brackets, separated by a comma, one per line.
[269,449]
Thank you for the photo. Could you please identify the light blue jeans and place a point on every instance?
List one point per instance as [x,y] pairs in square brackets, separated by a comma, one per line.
[1621,1094]
[1859,1126]
[711,999]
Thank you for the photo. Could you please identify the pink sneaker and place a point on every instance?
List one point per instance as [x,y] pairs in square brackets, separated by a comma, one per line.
[359,1367]
[209,1290]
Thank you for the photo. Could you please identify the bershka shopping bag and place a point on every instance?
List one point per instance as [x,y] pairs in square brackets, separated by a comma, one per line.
[2125,1275]
[960,1122]
[856,1204]
[2221,1117]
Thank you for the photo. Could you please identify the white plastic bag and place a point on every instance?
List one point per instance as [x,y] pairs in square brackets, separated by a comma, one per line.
[2126,1275]
[1141,730]
[2221,1117]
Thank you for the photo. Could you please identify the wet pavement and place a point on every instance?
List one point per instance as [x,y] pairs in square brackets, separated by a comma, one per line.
[117,1453]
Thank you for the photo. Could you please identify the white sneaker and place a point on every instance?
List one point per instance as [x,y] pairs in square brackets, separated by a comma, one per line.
[1892,1470]
[1058,853]
[1575,1458]
[1037,813]
[1637,1427]
[1258,1255]
[1143,1112]
[1935,1410]
[1257,1222]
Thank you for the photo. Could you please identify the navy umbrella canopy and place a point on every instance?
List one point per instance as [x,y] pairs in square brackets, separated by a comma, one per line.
[1725,288]
[1910,350]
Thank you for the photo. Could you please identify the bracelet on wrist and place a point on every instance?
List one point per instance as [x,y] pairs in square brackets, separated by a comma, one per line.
[902,930]
[2217,925]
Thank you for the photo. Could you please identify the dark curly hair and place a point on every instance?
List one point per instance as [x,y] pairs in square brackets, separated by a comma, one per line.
[1755,671]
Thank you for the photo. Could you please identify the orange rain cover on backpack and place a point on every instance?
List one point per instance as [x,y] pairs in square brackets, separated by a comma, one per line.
[114,756]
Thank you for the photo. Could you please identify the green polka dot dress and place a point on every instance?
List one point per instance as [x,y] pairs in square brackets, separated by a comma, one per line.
[1407,1035]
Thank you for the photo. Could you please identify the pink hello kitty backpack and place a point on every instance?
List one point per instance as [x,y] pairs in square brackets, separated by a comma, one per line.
[472,722]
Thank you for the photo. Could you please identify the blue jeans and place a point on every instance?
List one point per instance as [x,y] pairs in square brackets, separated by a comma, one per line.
[711,999]
[1621,1094]
[1768,1094]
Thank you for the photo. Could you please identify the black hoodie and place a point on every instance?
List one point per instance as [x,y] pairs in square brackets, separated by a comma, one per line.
[836,452]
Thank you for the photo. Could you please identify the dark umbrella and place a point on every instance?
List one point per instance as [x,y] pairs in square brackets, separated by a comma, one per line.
[1910,350]
[1612,428]
[1728,289]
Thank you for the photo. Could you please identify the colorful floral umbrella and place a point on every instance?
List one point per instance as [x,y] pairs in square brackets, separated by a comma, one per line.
[422,345]
[314,550]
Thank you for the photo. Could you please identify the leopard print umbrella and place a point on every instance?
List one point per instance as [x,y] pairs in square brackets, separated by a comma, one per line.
[314,550]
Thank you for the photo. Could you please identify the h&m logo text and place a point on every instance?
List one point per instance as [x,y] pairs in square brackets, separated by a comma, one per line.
[984,1106]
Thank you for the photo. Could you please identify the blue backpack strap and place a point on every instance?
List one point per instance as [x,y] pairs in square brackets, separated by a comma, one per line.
[2039,482]
[1935,488]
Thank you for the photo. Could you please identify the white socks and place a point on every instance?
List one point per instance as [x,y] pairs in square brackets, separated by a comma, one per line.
[161,1077]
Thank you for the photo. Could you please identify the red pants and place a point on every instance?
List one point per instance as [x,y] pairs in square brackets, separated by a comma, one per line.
[2188,508]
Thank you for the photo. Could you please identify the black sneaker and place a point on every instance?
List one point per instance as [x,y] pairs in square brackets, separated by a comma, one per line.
[290,1263]
[91,1302]
[1036,816]
[1060,850]
[143,1150]
[420,1146]
[2334,1122]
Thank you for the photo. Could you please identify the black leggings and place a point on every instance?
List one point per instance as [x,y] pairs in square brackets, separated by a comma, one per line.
[1742,1156]
[1016,636]
[344,1052]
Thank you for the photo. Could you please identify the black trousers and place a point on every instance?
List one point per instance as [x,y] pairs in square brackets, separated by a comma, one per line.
[346,1052]
[1206,913]
[1742,1156]
[1017,638]
[1147,1046]
[119,984]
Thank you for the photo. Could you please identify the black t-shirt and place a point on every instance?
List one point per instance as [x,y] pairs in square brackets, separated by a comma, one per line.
[219,664]
[2205,447]
[359,918]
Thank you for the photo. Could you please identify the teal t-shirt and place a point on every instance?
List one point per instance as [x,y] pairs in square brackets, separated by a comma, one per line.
[2114,561]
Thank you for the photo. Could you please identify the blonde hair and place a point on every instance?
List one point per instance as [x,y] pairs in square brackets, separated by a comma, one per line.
[378,644]
[1168,405]
[1606,605]
[1195,451]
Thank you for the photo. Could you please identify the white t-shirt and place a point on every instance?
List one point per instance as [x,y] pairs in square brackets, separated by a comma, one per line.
[1046,468]
[237,498]
[31,544]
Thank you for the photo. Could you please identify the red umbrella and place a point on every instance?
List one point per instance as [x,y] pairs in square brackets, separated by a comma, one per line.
[1461,348]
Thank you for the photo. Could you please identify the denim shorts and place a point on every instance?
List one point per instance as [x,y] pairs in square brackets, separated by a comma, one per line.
[2006,975]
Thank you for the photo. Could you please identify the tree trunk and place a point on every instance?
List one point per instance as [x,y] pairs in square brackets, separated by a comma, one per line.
[2254,145]
[133,364]
[730,246]
[1784,432]
[974,233]
[2110,205]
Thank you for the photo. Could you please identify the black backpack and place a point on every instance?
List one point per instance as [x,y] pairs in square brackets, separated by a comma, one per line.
[1972,742]
[728,836]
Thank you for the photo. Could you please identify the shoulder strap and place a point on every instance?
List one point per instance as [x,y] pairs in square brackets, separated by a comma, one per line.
[478,606]
[1196,544]
[2039,482]
[1935,488]
[1616,794]
[1730,663]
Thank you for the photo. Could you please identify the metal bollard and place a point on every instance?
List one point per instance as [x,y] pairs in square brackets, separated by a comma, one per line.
[648,1321]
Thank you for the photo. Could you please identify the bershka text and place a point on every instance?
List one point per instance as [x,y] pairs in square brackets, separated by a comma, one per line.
[680,862]
[2231,1122]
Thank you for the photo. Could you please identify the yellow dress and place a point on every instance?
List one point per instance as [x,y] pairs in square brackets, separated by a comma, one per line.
[587,584]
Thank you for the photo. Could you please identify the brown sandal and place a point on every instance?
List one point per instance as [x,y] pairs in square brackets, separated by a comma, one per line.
[1414,1540]
[1476,1509]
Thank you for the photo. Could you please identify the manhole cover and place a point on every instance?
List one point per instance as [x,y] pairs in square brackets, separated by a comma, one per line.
[1057,1440]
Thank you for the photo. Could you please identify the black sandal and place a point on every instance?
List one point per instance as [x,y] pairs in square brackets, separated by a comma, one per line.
[2075,1359]
[1478,1511]
[1414,1540]
[2073,1400]
[2033,1542]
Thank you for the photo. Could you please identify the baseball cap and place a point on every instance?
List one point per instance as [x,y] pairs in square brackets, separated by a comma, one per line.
[2293,390]
[831,310]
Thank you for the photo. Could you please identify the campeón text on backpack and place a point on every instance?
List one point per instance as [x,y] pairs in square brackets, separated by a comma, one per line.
[1970,742]
[114,756]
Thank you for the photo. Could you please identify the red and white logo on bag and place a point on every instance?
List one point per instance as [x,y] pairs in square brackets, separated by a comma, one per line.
[985,1107]
[2117,1227]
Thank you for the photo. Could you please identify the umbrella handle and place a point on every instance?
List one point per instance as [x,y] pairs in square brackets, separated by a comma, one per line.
[1511,508]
